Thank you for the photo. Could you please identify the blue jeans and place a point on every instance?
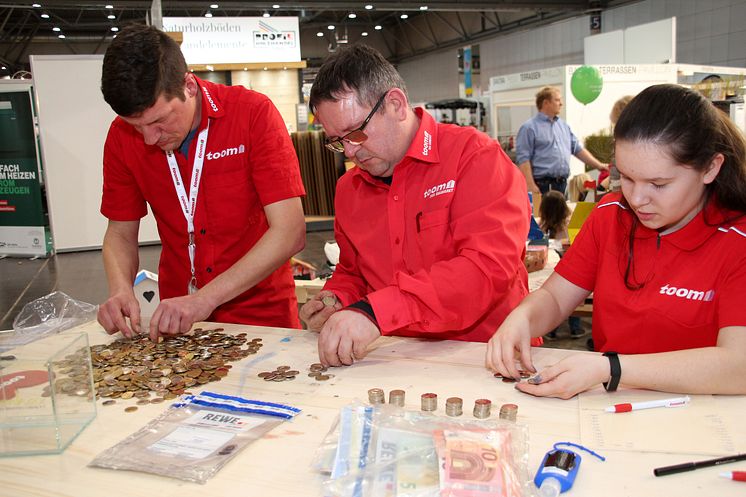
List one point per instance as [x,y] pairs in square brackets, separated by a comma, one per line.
[546,184]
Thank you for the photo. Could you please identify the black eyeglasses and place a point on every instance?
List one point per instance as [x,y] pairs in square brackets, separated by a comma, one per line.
[356,136]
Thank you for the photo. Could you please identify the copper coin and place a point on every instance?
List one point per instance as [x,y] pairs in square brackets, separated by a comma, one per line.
[157,400]
[323,377]
[508,379]
[108,402]
[130,409]
[143,402]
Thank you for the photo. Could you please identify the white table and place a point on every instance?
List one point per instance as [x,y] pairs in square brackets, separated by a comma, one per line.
[280,464]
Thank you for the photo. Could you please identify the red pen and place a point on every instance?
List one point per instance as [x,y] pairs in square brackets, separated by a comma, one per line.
[735,475]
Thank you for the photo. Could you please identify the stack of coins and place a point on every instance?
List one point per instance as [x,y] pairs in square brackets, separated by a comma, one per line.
[454,406]
[508,412]
[282,373]
[396,397]
[429,401]
[376,396]
[482,408]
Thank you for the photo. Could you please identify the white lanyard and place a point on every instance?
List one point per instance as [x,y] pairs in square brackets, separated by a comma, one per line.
[189,204]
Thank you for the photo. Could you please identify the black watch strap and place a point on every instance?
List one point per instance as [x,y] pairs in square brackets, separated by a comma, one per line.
[616,371]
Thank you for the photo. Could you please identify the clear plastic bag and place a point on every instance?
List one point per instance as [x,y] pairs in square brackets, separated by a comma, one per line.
[195,438]
[413,454]
[45,316]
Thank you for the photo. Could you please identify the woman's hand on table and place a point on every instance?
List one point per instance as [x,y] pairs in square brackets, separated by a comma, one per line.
[511,342]
[570,376]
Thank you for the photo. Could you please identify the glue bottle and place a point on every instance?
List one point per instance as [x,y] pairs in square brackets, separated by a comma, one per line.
[558,469]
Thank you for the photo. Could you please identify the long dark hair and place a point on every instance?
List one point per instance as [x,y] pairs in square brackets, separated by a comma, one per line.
[687,125]
[554,213]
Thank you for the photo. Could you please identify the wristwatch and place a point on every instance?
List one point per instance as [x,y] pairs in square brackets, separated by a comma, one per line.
[616,371]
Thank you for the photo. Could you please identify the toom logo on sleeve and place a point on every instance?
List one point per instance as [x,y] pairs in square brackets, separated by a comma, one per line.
[269,37]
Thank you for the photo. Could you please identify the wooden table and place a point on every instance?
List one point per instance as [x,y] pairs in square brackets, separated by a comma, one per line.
[280,464]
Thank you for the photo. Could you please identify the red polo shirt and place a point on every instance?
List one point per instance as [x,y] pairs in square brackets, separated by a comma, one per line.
[695,279]
[438,253]
[250,162]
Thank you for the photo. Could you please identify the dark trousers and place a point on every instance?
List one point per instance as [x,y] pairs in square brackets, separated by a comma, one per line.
[546,184]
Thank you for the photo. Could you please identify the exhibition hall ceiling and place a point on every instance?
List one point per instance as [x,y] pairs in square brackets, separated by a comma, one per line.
[402,30]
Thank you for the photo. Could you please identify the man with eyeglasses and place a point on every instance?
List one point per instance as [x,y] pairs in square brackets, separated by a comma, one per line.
[216,166]
[431,224]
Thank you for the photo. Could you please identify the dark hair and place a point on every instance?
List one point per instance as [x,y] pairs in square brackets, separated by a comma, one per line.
[693,131]
[359,68]
[554,213]
[140,65]
[545,94]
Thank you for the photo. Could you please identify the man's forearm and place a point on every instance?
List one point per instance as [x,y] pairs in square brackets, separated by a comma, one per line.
[589,160]
[121,258]
[525,168]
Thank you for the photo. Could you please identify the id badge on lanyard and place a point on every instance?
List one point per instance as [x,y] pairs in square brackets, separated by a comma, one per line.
[188,204]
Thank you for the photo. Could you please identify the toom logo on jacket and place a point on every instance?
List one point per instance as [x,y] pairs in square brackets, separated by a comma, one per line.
[440,189]
[225,153]
[427,143]
[685,293]
[210,100]
[268,36]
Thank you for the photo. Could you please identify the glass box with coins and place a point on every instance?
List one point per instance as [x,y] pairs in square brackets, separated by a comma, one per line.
[46,394]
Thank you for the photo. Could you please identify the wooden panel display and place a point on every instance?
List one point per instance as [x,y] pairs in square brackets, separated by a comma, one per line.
[318,168]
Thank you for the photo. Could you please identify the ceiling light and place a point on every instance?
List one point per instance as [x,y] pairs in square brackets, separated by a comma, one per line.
[352,15]
[114,28]
[423,7]
[369,7]
[4,68]
[111,16]
[320,34]
[109,7]
[55,29]
[378,27]
[265,68]
[214,6]
[276,6]
[62,37]
[266,14]
[208,14]
[36,5]
[245,68]
[364,33]
[45,16]
[404,16]
[284,68]
[330,27]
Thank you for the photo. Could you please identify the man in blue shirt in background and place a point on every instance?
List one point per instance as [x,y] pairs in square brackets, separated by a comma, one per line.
[545,143]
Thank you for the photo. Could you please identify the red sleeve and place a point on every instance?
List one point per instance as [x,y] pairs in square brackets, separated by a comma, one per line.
[122,199]
[346,282]
[272,159]
[579,265]
[489,221]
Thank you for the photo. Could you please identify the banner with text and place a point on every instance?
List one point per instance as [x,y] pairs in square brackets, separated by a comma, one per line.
[237,40]
[23,229]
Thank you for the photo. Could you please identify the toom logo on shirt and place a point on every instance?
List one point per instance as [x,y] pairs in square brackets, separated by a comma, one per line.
[441,189]
[225,153]
[269,37]
[685,293]
[209,99]
[427,144]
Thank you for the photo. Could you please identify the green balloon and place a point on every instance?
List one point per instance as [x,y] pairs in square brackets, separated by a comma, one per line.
[586,84]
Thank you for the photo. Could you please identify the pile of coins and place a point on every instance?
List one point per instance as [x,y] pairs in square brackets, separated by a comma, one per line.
[317,371]
[70,376]
[376,396]
[281,373]
[454,406]
[482,408]
[508,379]
[396,397]
[137,368]
[508,412]
[429,402]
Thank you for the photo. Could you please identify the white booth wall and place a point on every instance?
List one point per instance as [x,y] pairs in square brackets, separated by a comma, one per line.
[73,122]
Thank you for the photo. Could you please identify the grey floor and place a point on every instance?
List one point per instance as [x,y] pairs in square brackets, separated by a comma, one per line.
[81,276]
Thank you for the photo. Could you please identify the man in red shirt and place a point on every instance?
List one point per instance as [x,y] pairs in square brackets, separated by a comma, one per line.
[431,224]
[218,169]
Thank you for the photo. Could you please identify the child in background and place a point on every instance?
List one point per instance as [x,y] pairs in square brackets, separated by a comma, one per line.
[555,216]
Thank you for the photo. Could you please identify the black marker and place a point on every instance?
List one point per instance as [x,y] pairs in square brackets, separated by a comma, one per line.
[690,466]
